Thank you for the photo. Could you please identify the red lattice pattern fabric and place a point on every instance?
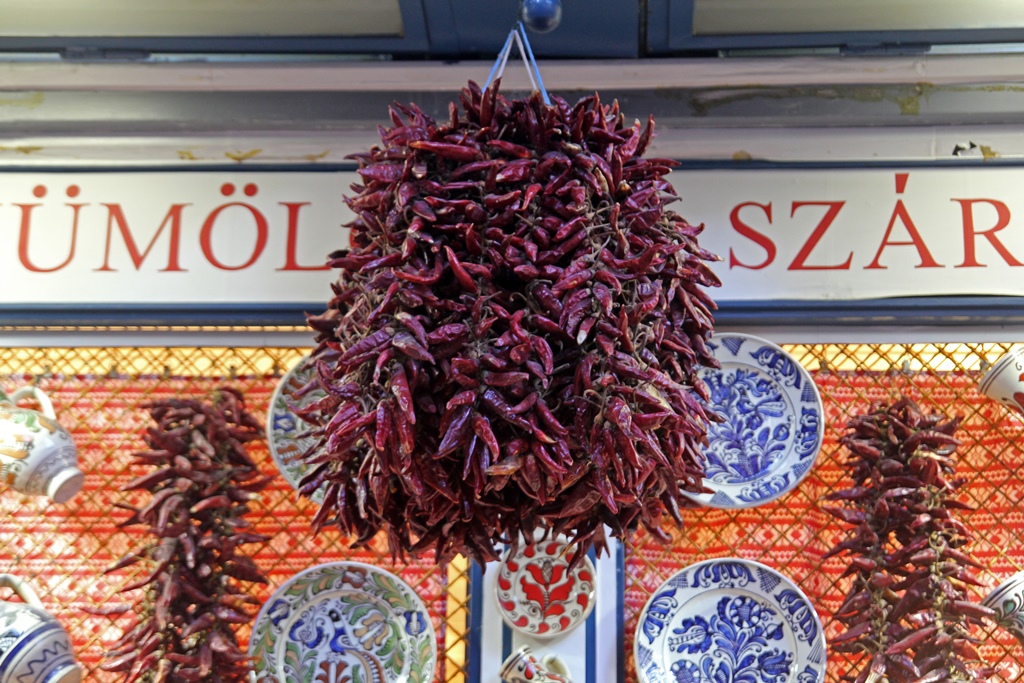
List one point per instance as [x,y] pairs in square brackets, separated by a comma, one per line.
[99,395]
[63,550]
[792,534]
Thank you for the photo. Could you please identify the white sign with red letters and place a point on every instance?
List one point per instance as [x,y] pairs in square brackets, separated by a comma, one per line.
[178,237]
[859,233]
[252,237]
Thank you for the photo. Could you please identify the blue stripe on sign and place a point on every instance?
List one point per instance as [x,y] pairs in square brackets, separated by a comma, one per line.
[592,631]
[620,611]
[476,622]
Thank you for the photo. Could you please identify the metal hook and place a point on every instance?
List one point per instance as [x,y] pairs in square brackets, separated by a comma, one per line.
[37,378]
[518,34]
[499,63]
[537,67]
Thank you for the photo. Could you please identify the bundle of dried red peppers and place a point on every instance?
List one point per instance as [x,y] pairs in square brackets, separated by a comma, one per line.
[201,489]
[908,611]
[514,335]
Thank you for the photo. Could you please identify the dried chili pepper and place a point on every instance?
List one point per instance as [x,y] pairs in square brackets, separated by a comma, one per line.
[192,569]
[908,612]
[525,319]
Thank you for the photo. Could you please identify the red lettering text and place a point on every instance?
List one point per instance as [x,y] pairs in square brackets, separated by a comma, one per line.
[206,234]
[758,238]
[970,234]
[291,261]
[800,262]
[915,240]
[173,217]
[24,236]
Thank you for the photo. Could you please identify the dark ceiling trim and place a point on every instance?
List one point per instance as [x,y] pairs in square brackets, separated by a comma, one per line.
[950,311]
[441,27]
[946,312]
[414,40]
[682,39]
[432,28]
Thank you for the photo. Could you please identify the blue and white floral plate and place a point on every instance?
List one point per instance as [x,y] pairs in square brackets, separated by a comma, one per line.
[729,620]
[773,425]
[343,621]
[284,427]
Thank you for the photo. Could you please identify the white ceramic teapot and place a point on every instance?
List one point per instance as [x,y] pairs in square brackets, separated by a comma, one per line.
[34,648]
[37,456]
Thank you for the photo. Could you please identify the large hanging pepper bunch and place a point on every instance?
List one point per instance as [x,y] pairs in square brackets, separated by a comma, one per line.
[515,333]
[908,610]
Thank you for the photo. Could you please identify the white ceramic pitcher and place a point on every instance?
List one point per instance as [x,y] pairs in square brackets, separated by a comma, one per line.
[522,666]
[34,647]
[37,456]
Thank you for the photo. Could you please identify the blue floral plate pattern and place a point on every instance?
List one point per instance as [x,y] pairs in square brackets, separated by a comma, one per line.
[285,430]
[343,621]
[773,426]
[729,621]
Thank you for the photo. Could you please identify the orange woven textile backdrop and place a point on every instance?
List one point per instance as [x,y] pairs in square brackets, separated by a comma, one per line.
[792,534]
[98,394]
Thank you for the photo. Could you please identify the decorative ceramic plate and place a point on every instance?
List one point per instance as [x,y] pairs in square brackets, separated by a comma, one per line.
[1007,599]
[284,426]
[539,596]
[343,621]
[729,620]
[773,425]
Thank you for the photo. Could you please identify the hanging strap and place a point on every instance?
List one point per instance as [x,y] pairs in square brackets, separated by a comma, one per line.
[518,34]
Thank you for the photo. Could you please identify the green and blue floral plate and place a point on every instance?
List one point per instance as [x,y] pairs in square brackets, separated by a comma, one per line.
[344,621]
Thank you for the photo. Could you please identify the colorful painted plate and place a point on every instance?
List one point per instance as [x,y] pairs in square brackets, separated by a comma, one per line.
[284,426]
[773,426]
[539,596]
[729,620]
[343,621]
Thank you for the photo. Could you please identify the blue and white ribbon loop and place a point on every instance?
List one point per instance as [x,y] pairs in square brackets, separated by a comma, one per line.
[518,35]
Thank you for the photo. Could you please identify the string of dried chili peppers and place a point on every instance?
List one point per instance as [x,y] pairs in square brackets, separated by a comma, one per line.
[514,335]
[908,610]
[192,601]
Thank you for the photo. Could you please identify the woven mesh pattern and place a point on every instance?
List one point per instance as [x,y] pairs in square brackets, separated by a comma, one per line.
[99,395]
[99,392]
[791,534]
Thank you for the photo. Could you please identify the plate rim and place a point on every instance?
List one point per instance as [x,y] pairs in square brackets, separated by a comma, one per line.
[739,560]
[338,564]
[316,496]
[705,499]
[555,634]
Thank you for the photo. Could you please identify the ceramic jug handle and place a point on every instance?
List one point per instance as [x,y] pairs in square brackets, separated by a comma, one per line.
[557,665]
[44,401]
[21,588]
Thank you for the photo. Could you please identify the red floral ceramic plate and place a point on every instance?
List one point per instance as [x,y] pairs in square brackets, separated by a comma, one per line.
[539,596]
